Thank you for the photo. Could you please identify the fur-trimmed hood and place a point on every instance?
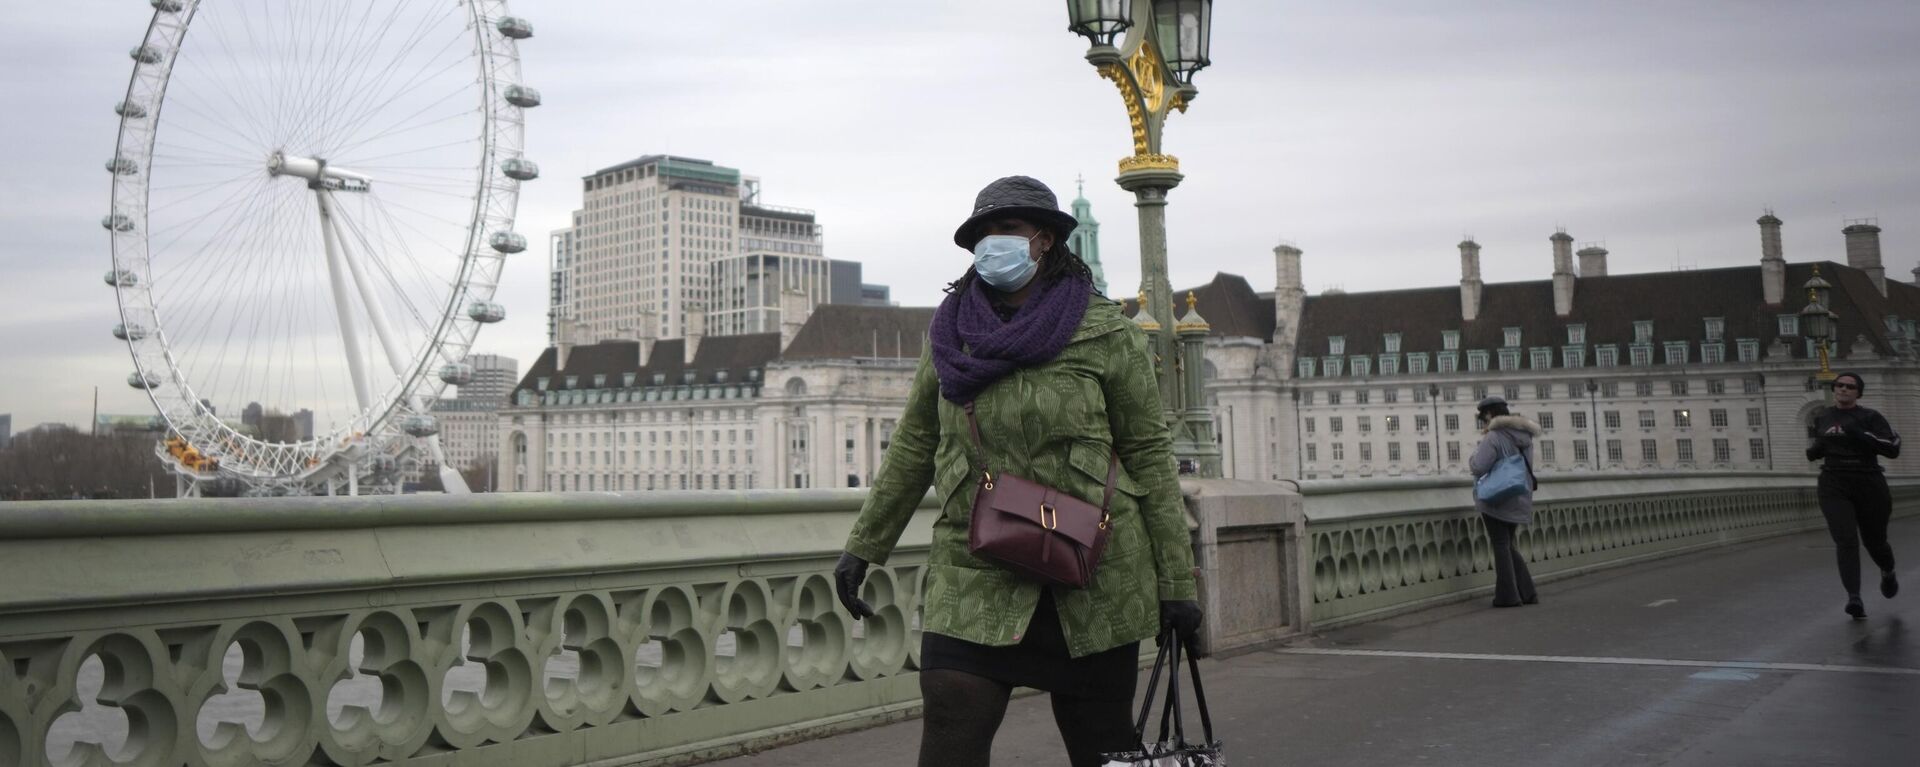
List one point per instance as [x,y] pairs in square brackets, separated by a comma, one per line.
[1526,429]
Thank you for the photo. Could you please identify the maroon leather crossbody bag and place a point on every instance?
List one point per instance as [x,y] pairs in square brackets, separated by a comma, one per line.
[1040,532]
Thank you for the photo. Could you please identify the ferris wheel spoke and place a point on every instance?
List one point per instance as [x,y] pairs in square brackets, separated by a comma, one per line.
[377,98]
[373,78]
[377,254]
[236,81]
[349,135]
[340,99]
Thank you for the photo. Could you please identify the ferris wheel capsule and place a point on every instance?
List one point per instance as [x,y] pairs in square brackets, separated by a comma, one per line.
[142,380]
[117,222]
[122,278]
[520,168]
[514,27]
[130,110]
[420,425]
[121,166]
[522,96]
[147,54]
[169,6]
[127,332]
[486,311]
[508,242]
[456,373]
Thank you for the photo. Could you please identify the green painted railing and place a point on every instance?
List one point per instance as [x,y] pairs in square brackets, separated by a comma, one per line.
[1385,546]
[654,628]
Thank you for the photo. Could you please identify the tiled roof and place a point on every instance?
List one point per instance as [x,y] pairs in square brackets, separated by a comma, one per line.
[734,355]
[1229,305]
[845,331]
[1676,302]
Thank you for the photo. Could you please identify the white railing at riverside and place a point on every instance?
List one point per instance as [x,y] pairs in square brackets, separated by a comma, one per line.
[1378,547]
[523,630]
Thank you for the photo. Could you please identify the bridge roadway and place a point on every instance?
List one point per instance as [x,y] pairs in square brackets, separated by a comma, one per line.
[1737,656]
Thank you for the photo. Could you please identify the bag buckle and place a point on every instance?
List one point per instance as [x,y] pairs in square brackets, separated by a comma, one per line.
[1104,518]
[986,479]
[1049,517]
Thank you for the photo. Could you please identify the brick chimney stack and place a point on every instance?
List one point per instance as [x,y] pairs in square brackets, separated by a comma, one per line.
[1562,273]
[1773,264]
[1470,284]
[1863,250]
[1593,260]
[1289,295]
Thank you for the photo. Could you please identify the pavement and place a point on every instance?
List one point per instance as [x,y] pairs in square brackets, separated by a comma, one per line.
[1737,656]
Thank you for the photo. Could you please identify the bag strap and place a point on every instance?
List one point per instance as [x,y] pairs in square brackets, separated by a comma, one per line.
[1113,459]
[1200,696]
[1172,709]
[1146,703]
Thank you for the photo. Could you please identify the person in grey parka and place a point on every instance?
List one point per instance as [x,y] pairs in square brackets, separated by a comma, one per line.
[1506,434]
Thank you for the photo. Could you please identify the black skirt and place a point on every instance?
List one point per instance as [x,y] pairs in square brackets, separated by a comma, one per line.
[1040,661]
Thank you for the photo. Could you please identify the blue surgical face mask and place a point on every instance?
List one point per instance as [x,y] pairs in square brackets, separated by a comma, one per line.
[1005,261]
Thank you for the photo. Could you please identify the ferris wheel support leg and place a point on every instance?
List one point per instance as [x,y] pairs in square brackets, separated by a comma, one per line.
[375,311]
[349,330]
[450,480]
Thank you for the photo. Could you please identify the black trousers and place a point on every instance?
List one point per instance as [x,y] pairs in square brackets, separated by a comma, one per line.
[1512,584]
[1857,507]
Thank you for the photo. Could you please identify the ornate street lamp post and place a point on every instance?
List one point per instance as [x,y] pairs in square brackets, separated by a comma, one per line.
[1162,43]
[1816,322]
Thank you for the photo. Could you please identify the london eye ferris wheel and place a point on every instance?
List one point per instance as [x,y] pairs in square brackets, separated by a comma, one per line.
[312,204]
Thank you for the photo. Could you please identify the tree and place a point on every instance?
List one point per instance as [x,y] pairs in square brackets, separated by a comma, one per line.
[62,462]
[482,475]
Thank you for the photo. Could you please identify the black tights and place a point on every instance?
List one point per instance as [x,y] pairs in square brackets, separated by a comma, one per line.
[963,711]
[1857,507]
[1512,584]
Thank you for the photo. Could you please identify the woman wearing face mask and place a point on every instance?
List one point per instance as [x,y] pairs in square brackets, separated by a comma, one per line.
[1853,490]
[1060,383]
[1506,434]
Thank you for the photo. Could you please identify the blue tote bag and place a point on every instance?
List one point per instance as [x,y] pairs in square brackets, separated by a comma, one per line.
[1510,476]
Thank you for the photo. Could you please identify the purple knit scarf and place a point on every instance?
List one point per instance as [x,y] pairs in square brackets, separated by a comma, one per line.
[972,347]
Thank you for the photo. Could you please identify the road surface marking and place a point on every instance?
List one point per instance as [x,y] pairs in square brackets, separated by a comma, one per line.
[1659,602]
[1715,664]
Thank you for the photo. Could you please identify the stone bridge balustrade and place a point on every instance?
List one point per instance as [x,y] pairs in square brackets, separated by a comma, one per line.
[492,629]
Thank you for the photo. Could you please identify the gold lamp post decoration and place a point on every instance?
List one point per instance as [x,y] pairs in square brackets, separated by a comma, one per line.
[1161,44]
[1817,321]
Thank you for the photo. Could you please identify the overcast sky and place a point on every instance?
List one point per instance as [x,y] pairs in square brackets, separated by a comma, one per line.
[1371,134]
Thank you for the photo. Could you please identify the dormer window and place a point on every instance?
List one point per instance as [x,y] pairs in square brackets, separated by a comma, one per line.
[1337,345]
[1576,334]
[599,380]
[540,383]
[720,376]
[1789,324]
[1716,328]
[1306,367]
[659,379]
[1450,340]
[688,377]
[1392,341]
[1676,352]
[1512,337]
[573,382]
[1540,358]
[626,379]
[1643,332]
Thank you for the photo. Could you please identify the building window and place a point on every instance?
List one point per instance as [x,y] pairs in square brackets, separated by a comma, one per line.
[1546,421]
[1643,388]
[1417,363]
[1789,324]
[1749,349]
[1649,451]
[1750,385]
[1677,388]
[1717,417]
[1313,452]
[1363,397]
[1453,452]
[1753,418]
[1642,355]
[1453,421]
[1449,393]
[1676,352]
[1646,419]
[1421,423]
[1511,335]
[1614,454]
[1716,386]
[1643,331]
[1543,391]
[1361,366]
[1393,423]
[1606,356]
[1511,392]
[1683,419]
[1450,340]
[1509,359]
[1449,362]
[1609,388]
[1546,452]
[1477,361]
[1579,419]
[1713,353]
[1683,450]
[1576,334]
[1306,397]
[1306,367]
[1722,451]
[1716,328]
[1364,423]
[1389,364]
[1573,357]
[1479,392]
[1392,342]
[1423,451]
[1393,452]
[1336,345]
[1309,423]
[1333,397]
[1339,451]
[1757,449]
[1333,366]
[1541,358]
[1580,451]
[1390,395]
[1611,418]
[1336,424]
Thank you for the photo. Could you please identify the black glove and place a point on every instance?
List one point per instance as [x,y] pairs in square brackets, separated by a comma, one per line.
[848,574]
[1182,615]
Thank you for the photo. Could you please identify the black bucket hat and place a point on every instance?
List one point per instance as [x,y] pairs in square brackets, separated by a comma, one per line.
[1018,196]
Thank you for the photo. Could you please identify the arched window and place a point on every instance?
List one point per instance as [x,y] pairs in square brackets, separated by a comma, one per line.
[796,387]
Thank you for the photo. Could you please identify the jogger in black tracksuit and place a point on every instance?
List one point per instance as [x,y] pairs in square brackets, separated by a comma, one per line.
[1853,490]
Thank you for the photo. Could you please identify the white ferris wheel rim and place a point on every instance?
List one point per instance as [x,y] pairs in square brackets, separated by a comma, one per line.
[157,370]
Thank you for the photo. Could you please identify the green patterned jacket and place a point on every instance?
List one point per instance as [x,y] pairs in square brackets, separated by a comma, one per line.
[1052,424]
